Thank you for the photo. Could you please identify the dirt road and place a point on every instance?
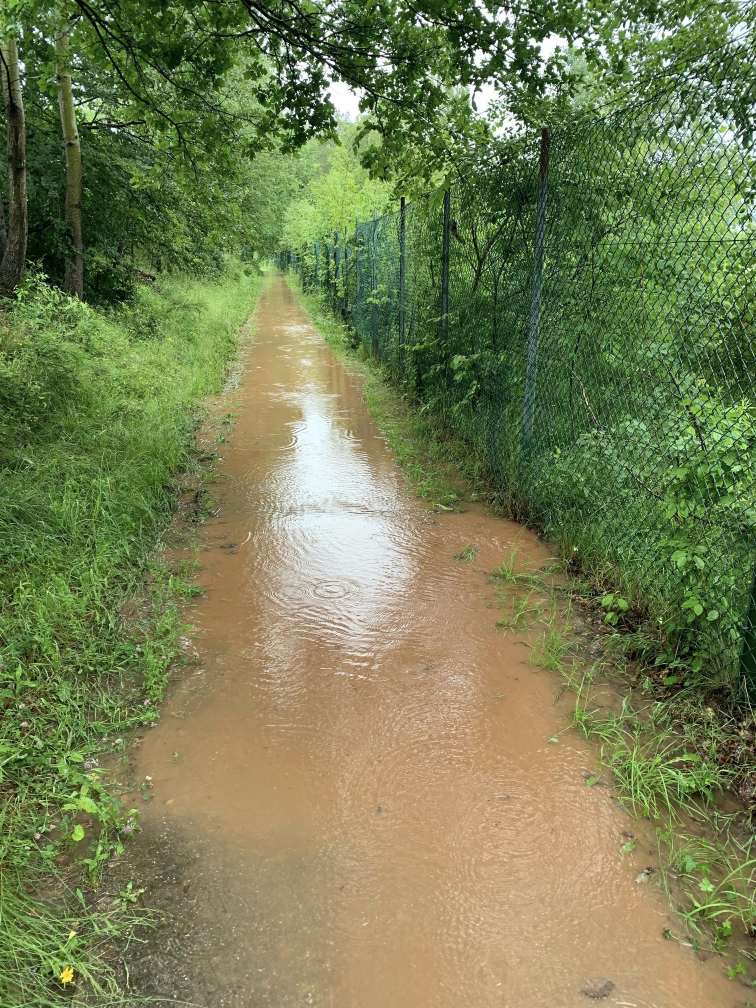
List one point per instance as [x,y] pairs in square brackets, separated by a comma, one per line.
[355,800]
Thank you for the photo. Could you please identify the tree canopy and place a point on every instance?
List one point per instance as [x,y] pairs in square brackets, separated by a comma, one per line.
[147,135]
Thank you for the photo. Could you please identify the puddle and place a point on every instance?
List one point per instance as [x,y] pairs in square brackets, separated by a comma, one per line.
[357,805]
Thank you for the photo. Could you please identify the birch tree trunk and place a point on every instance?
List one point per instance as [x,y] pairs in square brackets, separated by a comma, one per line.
[74,275]
[16,225]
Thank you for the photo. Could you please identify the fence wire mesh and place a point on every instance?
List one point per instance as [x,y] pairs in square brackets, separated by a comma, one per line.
[598,348]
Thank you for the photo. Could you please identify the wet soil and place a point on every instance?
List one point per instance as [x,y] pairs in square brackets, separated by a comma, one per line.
[355,802]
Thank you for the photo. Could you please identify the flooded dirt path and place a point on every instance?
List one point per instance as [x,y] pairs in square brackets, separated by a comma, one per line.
[355,801]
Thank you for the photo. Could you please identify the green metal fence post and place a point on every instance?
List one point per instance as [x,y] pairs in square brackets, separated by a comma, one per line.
[402,267]
[443,329]
[748,646]
[345,304]
[327,269]
[336,271]
[373,287]
[536,289]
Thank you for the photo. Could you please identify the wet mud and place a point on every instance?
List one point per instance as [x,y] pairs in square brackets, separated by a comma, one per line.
[355,802]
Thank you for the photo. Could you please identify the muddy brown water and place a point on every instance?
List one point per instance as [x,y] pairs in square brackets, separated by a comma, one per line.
[355,801]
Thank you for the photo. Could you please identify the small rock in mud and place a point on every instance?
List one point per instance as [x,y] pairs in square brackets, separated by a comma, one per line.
[645,875]
[597,989]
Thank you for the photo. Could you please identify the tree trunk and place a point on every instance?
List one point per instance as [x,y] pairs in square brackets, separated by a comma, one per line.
[3,232]
[74,276]
[16,226]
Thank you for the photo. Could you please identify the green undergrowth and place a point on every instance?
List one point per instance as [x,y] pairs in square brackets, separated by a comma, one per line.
[97,411]
[676,754]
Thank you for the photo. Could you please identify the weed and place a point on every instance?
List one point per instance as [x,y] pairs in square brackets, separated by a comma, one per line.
[522,613]
[550,650]
[62,937]
[507,574]
[653,776]
[506,571]
[659,776]
[615,608]
[467,554]
[718,881]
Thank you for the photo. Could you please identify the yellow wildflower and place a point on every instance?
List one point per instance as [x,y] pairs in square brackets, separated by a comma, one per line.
[66,975]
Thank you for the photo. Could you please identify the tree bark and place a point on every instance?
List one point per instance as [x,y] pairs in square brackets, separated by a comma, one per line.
[3,232]
[74,275]
[16,226]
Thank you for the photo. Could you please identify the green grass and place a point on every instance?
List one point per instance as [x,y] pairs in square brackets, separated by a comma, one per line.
[96,418]
[664,770]
[718,882]
[467,554]
[550,648]
[521,612]
[507,569]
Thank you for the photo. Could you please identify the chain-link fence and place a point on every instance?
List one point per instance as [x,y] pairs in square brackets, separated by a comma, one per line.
[582,314]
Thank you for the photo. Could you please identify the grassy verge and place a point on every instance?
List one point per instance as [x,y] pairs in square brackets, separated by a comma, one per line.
[96,418]
[676,757]
[668,759]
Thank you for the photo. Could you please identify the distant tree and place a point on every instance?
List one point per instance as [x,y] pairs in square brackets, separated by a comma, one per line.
[335,196]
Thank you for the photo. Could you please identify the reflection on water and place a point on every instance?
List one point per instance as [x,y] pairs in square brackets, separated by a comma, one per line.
[379,816]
